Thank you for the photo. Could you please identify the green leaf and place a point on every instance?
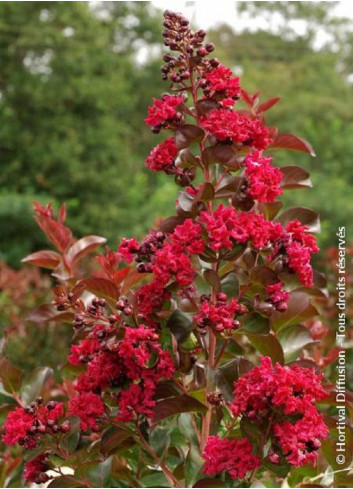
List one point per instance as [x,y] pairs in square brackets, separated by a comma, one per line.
[10,376]
[112,439]
[267,345]
[154,479]
[294,338]
[34,382]
[186,428]
[176,405]
[255,324]
[99,473]
[70,440]
[230,285]
[180,325]
[193,465]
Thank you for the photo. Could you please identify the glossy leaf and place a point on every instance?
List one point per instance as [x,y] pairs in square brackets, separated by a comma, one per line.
[180,325]
[255,323]
[291,142]
[299,309]
[66,481]
[295,177]
[267,345]
[224,377]
[112,439]
[34,383]
[187,134]
[306,216]
[84,246]
[221,154]
[230,285]
[293,339]
[262,275]
[170,223]
[176,405]
[211,276]
[45,259]
[270,209]
[101,287]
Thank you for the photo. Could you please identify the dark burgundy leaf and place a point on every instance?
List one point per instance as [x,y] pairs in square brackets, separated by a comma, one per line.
[176,405]
[204,106]
[291,142]
[306,216]
[299,309]
[187,158]
[188,134]
[206,192]
[221,154]
[263,275]
[213,279]
[295,177]
[224,377]
[112,439]
[270,209]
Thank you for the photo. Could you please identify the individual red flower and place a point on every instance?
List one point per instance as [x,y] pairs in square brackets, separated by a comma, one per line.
[88,407]
[277,296]
[220,316]
[188,236]
[221,79]
[35,469]
[292,389]
[263,178]
[241,129]
[162,156]
[163,110]
[128,249]
[229,455]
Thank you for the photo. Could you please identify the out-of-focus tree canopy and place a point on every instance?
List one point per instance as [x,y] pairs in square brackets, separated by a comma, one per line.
[73,98]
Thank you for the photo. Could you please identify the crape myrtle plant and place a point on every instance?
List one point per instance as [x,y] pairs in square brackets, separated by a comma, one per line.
[190,364]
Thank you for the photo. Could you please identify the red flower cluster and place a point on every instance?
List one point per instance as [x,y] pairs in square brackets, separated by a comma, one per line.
[221,79]
[299,248]
[300,441]
[162,157]
[136,363]
[88,407]
[229,455]
[228,125]
[171,262]
[227,227]
[163,111]
[277,296]
[128,248]
[271,391]
[220,316]
[26,425]
[264,179]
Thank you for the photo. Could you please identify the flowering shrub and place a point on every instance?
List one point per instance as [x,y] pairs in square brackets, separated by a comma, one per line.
[190,364]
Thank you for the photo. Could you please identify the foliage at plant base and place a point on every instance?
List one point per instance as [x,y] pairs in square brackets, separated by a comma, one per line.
[192,361]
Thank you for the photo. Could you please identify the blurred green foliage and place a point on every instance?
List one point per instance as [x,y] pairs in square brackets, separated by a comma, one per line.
[73,99]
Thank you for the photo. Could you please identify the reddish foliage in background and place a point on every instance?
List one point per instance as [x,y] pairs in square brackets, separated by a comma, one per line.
[161,386]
